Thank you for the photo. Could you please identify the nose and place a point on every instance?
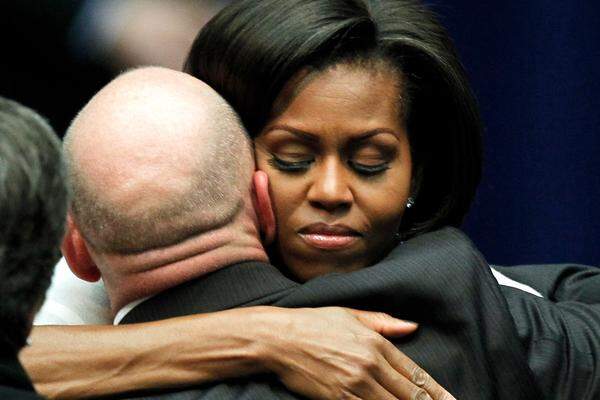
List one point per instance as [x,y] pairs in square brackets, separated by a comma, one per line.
[330,188]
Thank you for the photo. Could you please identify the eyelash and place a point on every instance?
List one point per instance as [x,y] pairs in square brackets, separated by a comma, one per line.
[299,166]
[289,166]
[369,170]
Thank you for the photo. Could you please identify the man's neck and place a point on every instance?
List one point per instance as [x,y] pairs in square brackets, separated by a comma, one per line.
[132,277]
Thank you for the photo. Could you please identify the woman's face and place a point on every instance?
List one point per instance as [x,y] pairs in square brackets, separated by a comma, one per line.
[339,164]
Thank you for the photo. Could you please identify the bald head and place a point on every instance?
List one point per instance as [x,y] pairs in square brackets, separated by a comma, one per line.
[154,158]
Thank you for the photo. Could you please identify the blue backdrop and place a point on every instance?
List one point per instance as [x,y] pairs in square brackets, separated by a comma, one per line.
[534,66]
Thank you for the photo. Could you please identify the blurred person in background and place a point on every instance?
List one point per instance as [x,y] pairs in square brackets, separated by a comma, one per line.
[58,53]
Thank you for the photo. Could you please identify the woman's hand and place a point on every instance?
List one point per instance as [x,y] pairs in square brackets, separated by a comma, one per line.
[338,353]
[322,353]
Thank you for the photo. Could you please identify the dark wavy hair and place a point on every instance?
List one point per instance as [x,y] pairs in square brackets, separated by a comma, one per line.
[251,49]
[33,204]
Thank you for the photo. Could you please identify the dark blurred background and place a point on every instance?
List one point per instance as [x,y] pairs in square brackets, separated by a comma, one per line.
[533,65]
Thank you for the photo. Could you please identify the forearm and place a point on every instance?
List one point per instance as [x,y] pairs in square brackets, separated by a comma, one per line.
[317,353]
[84,361]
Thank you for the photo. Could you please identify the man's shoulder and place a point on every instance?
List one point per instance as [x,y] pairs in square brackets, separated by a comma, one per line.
[237,285]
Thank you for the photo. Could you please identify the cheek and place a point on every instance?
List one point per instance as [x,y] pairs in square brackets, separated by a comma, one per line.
[281,191]
[386,213]
[385,203]
[283,196]
[286,190]
[286,196]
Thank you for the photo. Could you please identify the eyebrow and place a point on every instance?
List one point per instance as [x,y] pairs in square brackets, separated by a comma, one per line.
[311,137]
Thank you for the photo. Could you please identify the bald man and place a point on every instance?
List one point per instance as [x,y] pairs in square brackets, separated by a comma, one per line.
[162,176]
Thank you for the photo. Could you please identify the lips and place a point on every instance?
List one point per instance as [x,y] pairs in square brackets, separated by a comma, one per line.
[329,237]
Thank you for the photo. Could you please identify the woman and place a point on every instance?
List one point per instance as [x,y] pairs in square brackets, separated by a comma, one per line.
[361,114]
[259,56]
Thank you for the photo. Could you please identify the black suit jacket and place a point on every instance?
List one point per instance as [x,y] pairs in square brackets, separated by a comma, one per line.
[467,339]
[14,382]
[561,331]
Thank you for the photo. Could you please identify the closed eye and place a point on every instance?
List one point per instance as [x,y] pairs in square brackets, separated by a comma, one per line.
[369,169]
[292,163]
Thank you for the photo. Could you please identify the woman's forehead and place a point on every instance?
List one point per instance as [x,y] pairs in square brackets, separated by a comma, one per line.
[342,98]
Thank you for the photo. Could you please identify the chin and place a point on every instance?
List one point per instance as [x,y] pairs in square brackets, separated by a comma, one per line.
[303,271]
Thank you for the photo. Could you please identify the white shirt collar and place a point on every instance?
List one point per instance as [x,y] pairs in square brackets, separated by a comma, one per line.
[504,280]
[127,308]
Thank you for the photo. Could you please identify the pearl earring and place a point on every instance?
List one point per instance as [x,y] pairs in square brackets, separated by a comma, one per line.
[410,202]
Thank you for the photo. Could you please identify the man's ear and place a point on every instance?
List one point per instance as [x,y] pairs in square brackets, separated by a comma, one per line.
[76,253]
[263,207]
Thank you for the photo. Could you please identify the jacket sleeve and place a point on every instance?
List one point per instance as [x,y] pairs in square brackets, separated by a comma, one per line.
[561,332]
[560,282]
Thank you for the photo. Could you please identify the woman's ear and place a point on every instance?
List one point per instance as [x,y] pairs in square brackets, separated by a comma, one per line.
[76,253]
[263,207]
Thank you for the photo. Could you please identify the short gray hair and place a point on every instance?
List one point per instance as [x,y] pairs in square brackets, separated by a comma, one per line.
[33,201]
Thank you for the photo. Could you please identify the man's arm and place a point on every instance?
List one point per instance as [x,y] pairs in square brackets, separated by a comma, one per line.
[560,332]
[559,282]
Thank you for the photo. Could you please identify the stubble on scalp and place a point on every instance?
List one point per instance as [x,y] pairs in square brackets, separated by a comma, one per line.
[159,193]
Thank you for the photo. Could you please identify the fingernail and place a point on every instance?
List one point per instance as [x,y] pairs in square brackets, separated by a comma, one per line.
[410,324]
[423,395]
